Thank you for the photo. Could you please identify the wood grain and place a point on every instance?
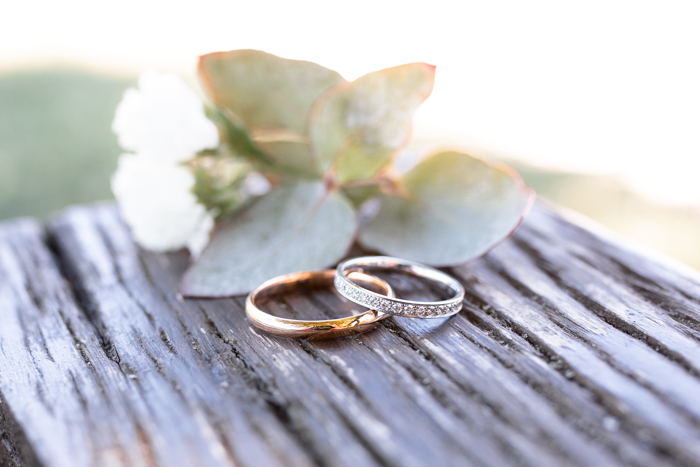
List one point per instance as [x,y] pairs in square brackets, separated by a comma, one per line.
[573,349]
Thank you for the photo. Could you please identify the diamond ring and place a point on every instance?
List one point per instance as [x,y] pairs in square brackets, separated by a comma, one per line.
[397,306]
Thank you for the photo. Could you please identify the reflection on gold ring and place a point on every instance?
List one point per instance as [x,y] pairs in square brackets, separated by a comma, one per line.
[313,329]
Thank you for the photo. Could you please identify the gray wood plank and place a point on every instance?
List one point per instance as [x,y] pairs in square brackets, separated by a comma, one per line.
[54,374]
[84,397]
[572,349]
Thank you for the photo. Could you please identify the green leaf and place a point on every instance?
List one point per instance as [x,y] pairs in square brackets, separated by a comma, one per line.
[272,96]
[291,157]
[218,181]
[358,195]
[236,135]
[296,227]
[449,209]
[357,127]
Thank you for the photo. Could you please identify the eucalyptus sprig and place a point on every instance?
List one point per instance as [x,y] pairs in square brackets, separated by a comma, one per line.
[328,146]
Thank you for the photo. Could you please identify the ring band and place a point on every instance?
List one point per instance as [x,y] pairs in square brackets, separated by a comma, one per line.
[396,306]
[313,329]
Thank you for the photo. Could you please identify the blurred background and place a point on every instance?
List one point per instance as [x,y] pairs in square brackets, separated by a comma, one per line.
[596,103]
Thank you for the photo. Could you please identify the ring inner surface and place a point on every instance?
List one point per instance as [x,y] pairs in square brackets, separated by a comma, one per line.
[311,296]
[407,283]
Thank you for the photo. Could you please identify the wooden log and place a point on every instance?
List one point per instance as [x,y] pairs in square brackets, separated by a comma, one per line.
[572,349]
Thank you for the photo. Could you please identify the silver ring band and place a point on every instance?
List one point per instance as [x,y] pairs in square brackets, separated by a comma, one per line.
[397,306]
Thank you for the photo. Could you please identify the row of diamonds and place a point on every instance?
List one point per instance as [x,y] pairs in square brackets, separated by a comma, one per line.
[387,305]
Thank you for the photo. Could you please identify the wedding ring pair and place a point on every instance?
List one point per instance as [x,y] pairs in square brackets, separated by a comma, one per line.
[352,279]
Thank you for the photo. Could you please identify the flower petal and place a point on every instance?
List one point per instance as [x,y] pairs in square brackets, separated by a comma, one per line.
[164,118]
[156,201]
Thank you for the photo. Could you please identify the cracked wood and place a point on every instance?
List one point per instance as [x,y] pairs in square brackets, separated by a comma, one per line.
[572,349]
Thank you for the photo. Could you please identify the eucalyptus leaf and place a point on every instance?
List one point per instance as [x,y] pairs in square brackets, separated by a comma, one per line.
[356,128]
[449,209]
[291,157]
[272,96]
[237,137]
[283,156]
[358,195]
[296,227]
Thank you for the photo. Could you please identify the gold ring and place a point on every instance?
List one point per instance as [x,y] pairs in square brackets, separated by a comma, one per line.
[314,329]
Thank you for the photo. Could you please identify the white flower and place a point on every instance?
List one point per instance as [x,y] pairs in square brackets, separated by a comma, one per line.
[164,118]
[156,200]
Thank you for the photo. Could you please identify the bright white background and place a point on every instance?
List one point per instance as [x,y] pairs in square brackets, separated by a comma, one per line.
[598,86]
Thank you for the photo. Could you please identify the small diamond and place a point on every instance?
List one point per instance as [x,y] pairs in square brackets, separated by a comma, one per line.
[410,310]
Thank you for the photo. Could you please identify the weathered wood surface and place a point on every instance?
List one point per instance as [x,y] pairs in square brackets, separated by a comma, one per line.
[572,350]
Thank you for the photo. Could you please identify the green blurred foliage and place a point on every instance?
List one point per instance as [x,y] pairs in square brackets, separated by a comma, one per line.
[56,145]
[57,149]
[673,230]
